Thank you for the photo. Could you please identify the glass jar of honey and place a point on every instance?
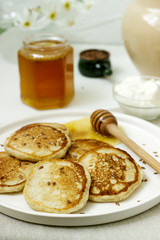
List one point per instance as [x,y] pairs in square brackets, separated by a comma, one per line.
[46,71]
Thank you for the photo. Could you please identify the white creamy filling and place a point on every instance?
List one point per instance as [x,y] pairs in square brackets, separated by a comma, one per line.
[136,88]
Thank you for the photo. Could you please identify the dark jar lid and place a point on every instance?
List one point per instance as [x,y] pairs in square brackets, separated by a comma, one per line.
[94,63]
[94,55]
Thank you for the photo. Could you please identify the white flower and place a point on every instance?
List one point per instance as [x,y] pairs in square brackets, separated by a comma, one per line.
[50,9]
[69,12]
[68,5]
[29,18]
[88,4]
[60,12]
[68,19]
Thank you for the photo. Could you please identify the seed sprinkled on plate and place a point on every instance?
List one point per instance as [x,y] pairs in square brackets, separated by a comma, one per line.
[145,180]
[117,203]
[143,167]
[40,167]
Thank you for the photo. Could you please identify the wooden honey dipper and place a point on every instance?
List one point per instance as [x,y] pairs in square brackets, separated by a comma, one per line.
[105,123]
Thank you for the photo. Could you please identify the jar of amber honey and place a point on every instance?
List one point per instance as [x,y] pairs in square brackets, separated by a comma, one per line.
[46,71]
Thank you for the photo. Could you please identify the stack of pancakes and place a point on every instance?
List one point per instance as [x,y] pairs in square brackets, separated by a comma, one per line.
[59,175]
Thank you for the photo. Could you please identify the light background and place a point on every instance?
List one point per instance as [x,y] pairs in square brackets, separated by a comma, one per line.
[101,25]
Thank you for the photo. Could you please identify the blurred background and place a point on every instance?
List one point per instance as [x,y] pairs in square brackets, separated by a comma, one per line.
[99,23]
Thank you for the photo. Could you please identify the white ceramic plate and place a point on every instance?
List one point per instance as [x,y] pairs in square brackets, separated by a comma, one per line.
[146,196]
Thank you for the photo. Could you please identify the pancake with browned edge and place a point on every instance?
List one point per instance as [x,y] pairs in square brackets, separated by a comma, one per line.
[81,146]
[13,173]
[38,141]
[114,173]
[57,186]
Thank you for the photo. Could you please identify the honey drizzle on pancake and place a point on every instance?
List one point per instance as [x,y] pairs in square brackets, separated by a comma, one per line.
[82,129]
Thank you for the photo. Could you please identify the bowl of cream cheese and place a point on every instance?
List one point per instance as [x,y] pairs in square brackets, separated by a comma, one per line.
[139,96]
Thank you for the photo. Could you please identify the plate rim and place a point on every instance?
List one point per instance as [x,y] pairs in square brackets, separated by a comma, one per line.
[152,201]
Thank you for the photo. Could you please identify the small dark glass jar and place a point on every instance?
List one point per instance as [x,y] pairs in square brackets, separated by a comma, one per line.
[95,63]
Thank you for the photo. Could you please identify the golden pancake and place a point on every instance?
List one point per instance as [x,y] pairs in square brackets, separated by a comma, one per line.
[38,141]
[114,173]
[57,186]
[81,146]
[13,173]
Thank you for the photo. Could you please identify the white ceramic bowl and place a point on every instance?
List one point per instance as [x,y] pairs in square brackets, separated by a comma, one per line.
[139,96]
